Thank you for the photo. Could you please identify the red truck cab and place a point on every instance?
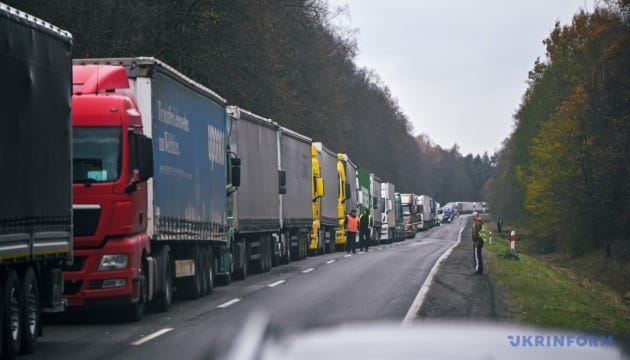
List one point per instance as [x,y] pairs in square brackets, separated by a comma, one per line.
[111,244]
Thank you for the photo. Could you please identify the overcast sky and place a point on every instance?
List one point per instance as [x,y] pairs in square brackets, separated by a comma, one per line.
[457,67]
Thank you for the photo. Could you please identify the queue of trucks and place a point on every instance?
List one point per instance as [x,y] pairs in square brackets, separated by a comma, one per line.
[142,184]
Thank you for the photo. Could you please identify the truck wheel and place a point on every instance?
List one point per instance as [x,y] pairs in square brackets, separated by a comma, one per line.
[286,258]
[13,320]
[304,242]
[331,242]
[164,298]
[203,263]
[321,242]
[191,285]
[242,272]
[275,256]
[209,271]
[31,313]
[226,279]
[265,256]
[135,312]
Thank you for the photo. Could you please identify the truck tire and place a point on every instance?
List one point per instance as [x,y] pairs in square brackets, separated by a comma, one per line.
[30,311]
[226,279]
[266,253]
[331,241]
[203,263]
[321,242]
[13,320]
[242,272]
[209,273]
[275,255]
[164,298]
[191,285]
[286,258]
[135,311]
[304,242]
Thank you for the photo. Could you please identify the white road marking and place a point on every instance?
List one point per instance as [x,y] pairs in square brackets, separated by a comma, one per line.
[415,306]
[347,256]
[330,261]
[308,270]
[279,282]
[229,303]
[151,337]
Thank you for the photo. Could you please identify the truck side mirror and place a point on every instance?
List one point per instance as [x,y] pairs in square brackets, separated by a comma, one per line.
[282,182]
[145,155]
[319,188]
[235,170]
[140,160]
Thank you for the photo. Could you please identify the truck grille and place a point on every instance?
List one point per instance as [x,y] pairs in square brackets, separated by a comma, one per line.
[86,219]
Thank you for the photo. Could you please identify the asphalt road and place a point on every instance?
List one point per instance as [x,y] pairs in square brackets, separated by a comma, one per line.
[323,290]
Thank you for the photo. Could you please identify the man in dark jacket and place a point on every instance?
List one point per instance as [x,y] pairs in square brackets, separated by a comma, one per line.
[477,242]
[364,230]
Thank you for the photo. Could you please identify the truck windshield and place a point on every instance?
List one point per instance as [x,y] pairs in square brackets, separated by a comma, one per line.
[405,210]
[96,154]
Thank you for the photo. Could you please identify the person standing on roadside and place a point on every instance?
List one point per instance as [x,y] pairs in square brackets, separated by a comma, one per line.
[477,242]
[351,223]
[364,230]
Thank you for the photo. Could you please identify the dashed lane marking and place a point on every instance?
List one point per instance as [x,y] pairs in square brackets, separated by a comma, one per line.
[151,337]
[330,261]
[279,282]
[308,270]
[229,303]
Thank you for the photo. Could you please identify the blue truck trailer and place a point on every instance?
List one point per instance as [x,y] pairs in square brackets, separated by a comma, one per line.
[161,224]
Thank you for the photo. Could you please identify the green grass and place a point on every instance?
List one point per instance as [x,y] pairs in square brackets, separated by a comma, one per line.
[539,294]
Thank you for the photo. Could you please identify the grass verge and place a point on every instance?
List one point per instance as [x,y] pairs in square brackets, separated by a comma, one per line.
[539,294]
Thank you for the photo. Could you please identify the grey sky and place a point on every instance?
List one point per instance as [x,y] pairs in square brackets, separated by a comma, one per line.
[458,68]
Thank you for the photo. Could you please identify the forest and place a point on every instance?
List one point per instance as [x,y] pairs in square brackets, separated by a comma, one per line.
[565,170]
[284,60]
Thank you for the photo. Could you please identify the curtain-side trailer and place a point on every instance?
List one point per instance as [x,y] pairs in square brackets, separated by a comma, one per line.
[256,203]
[325,217]
[296,199]
[347,199]
[388,230]
[36,167]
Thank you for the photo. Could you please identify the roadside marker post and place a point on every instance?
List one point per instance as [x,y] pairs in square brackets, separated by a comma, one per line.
[512,241]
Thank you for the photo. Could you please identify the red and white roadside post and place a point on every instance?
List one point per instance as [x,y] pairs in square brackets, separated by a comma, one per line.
[512,241]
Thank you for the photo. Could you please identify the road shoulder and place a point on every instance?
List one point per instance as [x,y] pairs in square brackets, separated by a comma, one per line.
[456,293]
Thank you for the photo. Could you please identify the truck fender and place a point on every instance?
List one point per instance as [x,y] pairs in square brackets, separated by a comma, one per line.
[152,270]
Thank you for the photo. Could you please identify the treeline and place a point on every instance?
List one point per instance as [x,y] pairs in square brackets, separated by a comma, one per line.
[565,171]
[285,60]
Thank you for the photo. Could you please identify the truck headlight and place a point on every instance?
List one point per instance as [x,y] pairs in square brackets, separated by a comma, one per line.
[113,262]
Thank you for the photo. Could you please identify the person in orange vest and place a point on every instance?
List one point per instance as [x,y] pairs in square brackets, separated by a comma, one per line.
[351,223]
